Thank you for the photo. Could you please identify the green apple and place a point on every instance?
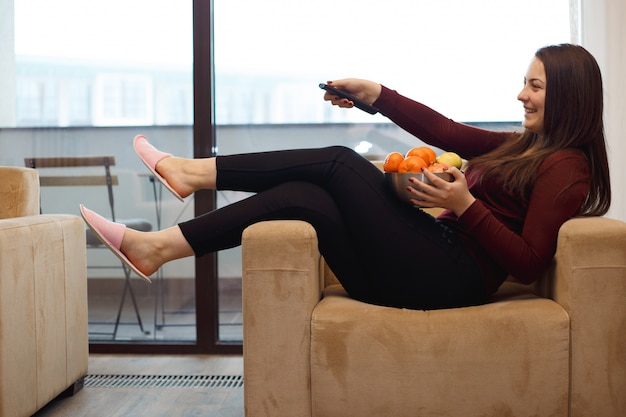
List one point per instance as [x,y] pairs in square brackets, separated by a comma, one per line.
[451,159]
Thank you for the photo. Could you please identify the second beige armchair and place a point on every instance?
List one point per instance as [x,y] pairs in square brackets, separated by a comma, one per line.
[556,349]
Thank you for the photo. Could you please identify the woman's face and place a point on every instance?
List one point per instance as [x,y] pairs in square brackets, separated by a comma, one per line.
[533,96]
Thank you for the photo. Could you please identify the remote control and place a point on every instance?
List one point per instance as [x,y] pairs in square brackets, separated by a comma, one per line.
[357,103]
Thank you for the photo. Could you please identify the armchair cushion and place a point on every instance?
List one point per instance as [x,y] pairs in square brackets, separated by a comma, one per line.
[507,357]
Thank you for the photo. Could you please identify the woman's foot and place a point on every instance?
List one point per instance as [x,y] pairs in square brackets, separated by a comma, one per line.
[180,176]
[151,156]
[143,252]
[112,236]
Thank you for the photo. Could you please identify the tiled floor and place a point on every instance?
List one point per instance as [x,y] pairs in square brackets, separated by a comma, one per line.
[139,401]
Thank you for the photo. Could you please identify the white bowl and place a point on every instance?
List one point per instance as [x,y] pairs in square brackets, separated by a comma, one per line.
[398,181]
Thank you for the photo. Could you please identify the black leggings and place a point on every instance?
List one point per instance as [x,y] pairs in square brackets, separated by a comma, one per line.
[383,251]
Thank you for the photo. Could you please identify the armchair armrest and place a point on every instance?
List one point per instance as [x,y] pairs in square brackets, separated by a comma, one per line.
[588,279]
[44,343]
[282,283]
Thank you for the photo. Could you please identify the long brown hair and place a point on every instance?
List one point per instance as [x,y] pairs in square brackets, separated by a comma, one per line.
[572,119]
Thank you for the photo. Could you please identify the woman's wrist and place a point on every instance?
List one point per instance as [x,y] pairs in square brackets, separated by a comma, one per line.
[374,92]
[466,204]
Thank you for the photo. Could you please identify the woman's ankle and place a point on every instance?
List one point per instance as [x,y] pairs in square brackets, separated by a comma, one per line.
[136,247]
[192,175]
[174,170]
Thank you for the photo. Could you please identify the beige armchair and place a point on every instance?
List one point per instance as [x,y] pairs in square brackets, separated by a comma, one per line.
[44,344]
[556,349]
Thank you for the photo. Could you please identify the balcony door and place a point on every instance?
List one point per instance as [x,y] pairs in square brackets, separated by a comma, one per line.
[82,79]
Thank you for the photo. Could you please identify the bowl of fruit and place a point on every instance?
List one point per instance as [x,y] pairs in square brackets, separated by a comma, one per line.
[399,168]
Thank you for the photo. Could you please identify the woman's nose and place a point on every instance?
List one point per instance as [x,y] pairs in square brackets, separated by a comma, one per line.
[522,96]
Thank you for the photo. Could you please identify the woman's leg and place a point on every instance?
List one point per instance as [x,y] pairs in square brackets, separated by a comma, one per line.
[357,186]
[416,264]
[223,228]
[397,252]
[388,252]
[314,165]
[149,251]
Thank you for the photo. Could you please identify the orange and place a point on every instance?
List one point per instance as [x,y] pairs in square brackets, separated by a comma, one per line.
[438,167]
[392,161]
[412,164]
[423,152]
[432,155]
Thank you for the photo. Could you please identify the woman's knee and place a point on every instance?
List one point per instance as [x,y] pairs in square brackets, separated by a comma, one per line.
[341,152]
[304,193]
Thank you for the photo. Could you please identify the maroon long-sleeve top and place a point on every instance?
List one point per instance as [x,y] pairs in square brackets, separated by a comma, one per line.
[503,234]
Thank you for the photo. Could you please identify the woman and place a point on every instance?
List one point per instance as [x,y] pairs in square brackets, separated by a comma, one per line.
[502,216]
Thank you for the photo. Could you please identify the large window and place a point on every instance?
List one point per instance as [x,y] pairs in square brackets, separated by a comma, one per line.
[82,77]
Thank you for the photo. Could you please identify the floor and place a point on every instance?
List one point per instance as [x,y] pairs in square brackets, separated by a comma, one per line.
[154,401]
[170,319]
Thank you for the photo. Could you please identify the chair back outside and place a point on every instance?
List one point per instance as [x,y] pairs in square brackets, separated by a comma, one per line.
[106,179]
[82,179]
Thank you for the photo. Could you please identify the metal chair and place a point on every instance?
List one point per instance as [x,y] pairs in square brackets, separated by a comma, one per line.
[107,180]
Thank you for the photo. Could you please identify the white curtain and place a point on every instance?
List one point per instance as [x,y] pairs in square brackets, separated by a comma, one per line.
[603,33]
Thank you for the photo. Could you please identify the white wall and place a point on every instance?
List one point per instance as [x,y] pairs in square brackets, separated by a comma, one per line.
[7,64]
[603,33]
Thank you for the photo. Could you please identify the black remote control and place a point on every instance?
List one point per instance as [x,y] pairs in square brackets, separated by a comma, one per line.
[357,103]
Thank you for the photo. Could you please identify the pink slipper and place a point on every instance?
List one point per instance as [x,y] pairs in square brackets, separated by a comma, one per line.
[110,234]
[150,156]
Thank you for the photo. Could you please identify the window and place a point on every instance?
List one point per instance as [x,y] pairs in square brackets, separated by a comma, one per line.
[123,100]
[93,75]
[464,58]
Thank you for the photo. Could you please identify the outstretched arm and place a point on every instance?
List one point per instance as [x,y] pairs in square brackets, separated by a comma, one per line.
[437,130]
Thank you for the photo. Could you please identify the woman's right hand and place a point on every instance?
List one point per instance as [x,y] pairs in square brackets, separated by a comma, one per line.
[367,91]
[438,192]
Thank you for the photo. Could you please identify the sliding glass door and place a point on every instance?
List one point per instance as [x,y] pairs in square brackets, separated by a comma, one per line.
[87,77]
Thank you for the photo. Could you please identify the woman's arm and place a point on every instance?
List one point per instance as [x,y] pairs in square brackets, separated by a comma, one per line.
[435,129]
[418,119]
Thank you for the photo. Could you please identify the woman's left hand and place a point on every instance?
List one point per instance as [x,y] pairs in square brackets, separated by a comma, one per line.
[453,195]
